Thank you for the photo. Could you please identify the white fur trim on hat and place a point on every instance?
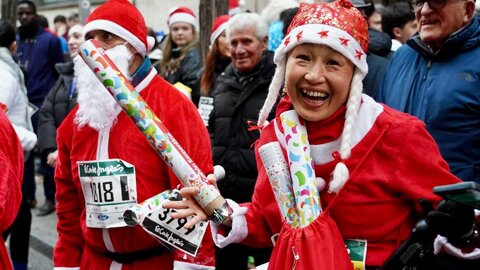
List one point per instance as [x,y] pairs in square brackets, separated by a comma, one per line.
[183,17]
[217,33]
[118,30]
[333,37]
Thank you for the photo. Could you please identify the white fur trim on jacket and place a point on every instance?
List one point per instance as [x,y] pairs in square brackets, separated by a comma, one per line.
[239,229]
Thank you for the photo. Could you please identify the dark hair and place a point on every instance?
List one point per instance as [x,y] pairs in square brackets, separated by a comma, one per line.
[286,17]
[42,21]
[208,76]
[60,18]
[30,3]
[396,15]
[7,33]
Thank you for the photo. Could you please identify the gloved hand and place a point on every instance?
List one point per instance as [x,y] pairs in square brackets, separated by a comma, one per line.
[454,221]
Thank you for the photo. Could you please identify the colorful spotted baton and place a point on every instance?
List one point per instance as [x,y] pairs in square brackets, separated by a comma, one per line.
[154,130]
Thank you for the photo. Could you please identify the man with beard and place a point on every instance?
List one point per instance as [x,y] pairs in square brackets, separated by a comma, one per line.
[37,53]
[97,130]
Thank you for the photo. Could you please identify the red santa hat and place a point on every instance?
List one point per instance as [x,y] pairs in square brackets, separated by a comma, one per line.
[182,14]
[341,27]
[234,7]
[219,25]
[123,19]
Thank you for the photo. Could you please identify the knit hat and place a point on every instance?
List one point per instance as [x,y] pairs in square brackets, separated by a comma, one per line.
[341,27]
[182,14]
[123,19]
[219,25]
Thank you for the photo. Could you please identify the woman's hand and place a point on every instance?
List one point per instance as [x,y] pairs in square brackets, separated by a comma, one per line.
[188,206]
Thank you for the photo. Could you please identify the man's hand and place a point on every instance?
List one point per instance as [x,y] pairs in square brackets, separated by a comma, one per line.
[52,159]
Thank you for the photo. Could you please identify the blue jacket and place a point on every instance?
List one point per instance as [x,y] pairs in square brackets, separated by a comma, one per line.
[443,90]
[38,57]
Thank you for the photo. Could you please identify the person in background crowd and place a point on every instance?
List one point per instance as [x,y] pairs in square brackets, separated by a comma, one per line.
[156,54]
[60,26]
[73,19]
[434,79]
[238,96]
[218,58]
[368,167]
[11,157]
[61,99]
[98,130]
[375,20]
[398,20]
[379,44]
[37,53]
[271,15]
[14,102]
[181,61]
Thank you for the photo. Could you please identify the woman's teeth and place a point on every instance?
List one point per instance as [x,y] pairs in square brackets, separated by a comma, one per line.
[314,94]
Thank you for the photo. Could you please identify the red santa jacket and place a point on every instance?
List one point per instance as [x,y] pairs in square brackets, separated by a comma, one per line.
[79,246]
[11,175]
[393,164]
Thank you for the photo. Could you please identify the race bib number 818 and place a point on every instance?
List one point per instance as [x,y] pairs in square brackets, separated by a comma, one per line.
[109,188]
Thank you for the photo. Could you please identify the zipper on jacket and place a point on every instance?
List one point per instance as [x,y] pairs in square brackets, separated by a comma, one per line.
[429,65]
[296,257]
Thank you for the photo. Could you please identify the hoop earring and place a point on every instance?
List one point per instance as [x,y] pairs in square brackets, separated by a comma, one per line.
[284,92]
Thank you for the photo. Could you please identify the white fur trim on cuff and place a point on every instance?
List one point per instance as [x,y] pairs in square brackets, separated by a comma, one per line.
[118,30]
[441,244]
[178,265]
[239,230]
[66,268]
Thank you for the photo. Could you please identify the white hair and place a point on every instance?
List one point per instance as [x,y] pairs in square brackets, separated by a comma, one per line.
[248,20]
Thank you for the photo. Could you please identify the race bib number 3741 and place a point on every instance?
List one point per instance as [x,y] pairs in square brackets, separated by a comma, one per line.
[109,188]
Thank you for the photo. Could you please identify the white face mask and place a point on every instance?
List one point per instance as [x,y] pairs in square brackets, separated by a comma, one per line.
[97,107]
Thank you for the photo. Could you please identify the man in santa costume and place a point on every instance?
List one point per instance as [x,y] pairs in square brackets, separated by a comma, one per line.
[11,175]
[97,130]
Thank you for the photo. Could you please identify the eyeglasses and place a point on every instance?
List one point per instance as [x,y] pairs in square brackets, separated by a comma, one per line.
[433,4]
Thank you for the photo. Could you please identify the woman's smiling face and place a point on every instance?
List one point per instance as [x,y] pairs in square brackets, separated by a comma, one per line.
[318,80]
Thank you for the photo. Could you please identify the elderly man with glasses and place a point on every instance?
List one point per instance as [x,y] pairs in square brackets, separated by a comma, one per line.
[437,79]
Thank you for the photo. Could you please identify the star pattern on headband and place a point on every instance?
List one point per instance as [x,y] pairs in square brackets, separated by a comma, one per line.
[358,54]
[344,41]
[323,34]
[299,35]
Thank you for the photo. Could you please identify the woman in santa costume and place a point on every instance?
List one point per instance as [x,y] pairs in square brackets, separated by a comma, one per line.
[98,132]
[372,164]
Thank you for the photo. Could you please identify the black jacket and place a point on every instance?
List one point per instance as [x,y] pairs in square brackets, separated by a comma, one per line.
[238,100]
[58,103]
[187,73]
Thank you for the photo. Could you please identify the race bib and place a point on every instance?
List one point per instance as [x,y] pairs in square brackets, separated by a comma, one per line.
[109,188]
[357,250]
[162,226]
[205,108]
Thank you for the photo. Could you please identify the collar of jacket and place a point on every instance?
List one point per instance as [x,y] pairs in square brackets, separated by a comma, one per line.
[464,39]
[142,71]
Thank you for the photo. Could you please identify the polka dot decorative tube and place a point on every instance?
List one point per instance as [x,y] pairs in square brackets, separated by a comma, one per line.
[278,174]
[307,198]
[154,130]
